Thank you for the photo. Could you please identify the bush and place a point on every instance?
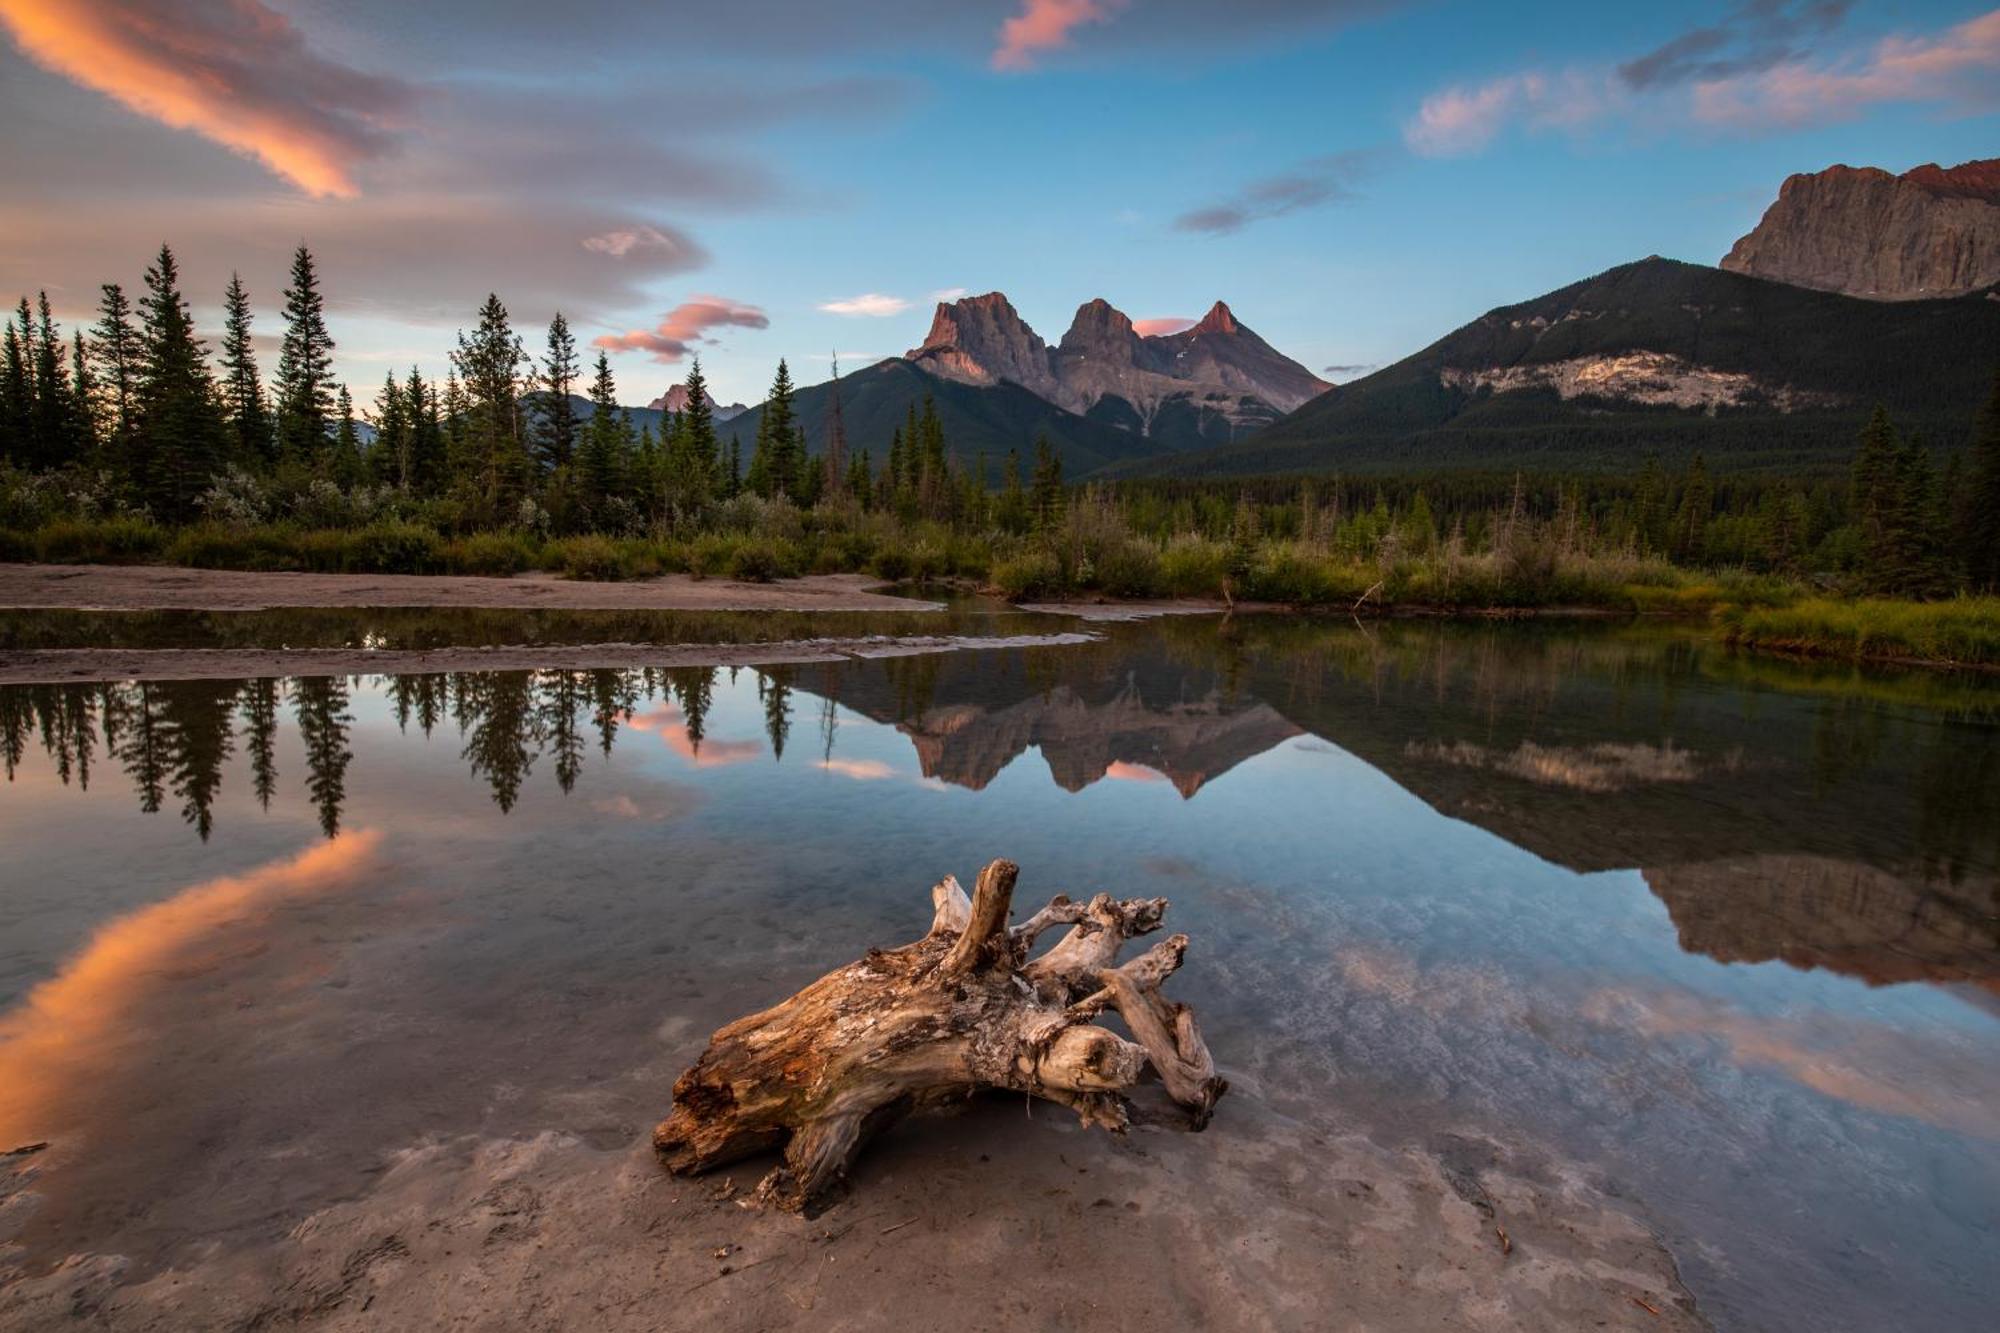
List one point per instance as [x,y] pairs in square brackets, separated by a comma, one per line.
[494,554]
[107,541]
[891,563]
[755,562]
[16,545]
[594,558]
[1129,569]
[392,548]
[1032,573]
[1193,567]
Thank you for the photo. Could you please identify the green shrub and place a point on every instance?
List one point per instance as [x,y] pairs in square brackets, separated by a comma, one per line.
[1129,569]
[16,545]
[755,562]
[1193,567]
[1032,573]
[594,558]
[496,554]
[105,541]
[392,548]
[891,563]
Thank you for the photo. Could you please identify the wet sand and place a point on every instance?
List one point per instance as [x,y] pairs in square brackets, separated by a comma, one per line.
[50,666]
[170,588]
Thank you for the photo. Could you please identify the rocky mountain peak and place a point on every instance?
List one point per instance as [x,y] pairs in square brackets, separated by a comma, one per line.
[1930,232]
[1219,319]
[675,399]
[983,340]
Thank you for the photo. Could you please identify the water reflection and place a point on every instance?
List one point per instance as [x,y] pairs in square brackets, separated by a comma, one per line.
[1829,820]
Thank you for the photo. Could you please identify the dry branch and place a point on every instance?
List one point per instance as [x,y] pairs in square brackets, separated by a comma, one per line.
[960,1010]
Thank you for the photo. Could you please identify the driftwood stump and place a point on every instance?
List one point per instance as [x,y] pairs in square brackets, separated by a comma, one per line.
[961,1009]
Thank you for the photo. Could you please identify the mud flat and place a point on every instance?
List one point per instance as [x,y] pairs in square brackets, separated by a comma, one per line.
[169,588]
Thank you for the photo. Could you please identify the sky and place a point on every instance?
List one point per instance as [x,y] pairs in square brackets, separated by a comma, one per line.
[755,180]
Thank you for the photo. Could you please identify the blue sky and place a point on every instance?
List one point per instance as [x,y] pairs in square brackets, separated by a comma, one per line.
[702,178]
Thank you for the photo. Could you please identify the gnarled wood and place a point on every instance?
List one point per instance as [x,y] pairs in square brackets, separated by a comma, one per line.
[959,1010]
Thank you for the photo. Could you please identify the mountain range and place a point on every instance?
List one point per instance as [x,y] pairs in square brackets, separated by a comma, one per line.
[1104,396]
[1857,287]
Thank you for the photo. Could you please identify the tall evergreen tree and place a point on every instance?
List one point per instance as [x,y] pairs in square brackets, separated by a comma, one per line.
[1979,529]
[1872,482]
[774,469]
[305,366]
[115,346]
[489,361]
[1047,486]
[347,461]
[603,444]
[51,428]
[17,398]
[555,424]
[425,476]
[178,431]
[692,459]
[389,460]
[83,401]
[242,388]
[1691,517]
[836,438]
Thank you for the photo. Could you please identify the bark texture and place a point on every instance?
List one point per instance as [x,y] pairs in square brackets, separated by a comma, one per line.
[960,1010]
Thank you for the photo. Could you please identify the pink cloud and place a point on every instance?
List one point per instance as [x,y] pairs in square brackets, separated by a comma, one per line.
[667,723]
[1957,67]
[1165,324]
[233,71]
[1464,119]
[1120,771]
[1045,25]
[683,326]
[861,770]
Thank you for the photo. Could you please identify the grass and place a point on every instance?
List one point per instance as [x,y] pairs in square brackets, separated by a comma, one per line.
[1089,553]
[1964,631]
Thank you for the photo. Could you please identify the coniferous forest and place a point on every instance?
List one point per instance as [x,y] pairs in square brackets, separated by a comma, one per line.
[133,439]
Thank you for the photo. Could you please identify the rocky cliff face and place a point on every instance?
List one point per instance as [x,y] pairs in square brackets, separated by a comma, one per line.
[1931,232]
[675,399]
[1206,384]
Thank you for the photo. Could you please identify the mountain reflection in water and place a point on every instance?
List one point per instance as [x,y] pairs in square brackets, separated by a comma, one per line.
[1824,818]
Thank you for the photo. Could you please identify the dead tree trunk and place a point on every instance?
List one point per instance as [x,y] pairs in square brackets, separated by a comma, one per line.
[961,1009]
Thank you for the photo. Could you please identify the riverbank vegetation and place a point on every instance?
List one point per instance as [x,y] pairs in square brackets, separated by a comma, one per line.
[131,443]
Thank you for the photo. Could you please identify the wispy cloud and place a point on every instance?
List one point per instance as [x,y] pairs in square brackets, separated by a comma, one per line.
[1758,69]
[1046,25]
[1958,69]
[1321,180]
[1343,372]
[233,71]
[685,325]
[949,293]
[871,305]
[1161,325]
[1756,35]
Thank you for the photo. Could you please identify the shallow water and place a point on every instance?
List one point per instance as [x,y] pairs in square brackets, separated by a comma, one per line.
[1724,932]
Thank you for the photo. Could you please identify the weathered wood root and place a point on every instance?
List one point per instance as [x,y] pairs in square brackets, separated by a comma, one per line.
[961,1009]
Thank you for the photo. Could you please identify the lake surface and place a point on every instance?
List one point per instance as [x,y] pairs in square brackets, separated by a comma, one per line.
[1723,932]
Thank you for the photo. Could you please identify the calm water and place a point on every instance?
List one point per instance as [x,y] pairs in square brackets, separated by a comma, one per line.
[1724,931]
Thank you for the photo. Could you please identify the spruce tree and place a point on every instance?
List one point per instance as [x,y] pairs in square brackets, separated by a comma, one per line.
[695,437]
[389,460]
[603,443]
[51,428]
[115,345]
[16,399]
[425,476]
[1872,483]
[242,388]
[347,460]
[489,362]
[1047,485]
[83,401]
[773,470]
[1691,517]
[305,366]
[555,433]
[1979,529]
[178,431]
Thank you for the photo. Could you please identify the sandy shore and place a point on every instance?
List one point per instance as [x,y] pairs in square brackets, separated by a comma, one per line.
[51,666]
[991,1219]
[170,588]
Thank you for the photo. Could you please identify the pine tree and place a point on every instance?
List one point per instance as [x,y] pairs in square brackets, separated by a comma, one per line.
[116,348]
[555,433]
[83,401]
[1911,563]
[425,476]
[1649,503]
[389,460]
[1872,486]
[773,469]
[603,443]
[305,366]
[242,388]
[1047,486]
[836,438]
[347,461]
[1979,529]
[51,424]
[489,361]
[17,398]
[178,431]
[691,455]
[735,479]
[1691,517]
